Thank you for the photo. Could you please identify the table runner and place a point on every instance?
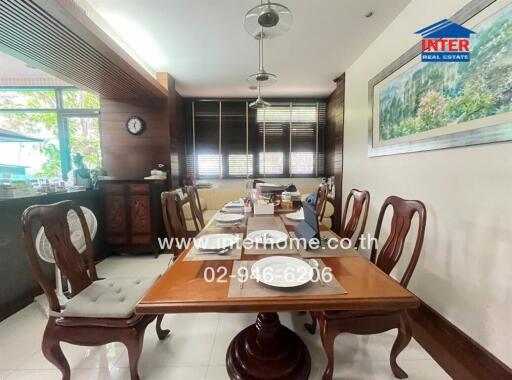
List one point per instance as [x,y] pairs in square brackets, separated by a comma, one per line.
[251,288]
[325,250]
[270,222]
[196,255]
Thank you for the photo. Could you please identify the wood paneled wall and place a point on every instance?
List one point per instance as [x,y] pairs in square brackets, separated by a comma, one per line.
[334,145]
[59,38]
[132,157]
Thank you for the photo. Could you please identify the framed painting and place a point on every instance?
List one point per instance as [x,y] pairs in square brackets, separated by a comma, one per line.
[417,106]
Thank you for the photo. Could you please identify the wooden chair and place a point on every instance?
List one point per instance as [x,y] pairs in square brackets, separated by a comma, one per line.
[363,322]
[174,218]
[99,311]
[360,206]
[321,201]
[195,208]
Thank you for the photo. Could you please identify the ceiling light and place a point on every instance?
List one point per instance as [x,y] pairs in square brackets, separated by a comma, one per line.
[259,102]
[262,77]
[274,18]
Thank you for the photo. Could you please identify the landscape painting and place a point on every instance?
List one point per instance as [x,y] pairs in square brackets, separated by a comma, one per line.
[428,101]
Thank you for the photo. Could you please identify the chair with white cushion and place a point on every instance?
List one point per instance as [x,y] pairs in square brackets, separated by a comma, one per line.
[99,311]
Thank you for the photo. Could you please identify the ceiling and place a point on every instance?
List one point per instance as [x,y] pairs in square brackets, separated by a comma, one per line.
[204,46]
[11,67]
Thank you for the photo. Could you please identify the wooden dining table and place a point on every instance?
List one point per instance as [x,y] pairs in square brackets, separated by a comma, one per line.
[267,349]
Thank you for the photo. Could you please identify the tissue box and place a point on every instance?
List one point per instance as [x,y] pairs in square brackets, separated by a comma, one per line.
[260,209]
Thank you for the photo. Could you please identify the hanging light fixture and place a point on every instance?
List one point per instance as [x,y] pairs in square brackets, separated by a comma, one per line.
[261,78]
[274,18]
[259,102]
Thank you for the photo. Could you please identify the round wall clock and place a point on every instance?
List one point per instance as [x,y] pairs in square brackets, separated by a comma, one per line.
[135,125]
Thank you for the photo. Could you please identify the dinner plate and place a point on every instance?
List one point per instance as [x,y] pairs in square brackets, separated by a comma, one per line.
[216,242]
[282,271]
[298,215]
[228,218]
[267,237]
[234,204]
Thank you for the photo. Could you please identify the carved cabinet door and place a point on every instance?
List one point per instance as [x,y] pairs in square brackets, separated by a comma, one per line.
[140,214]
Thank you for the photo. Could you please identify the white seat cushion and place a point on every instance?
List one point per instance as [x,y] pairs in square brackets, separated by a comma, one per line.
[108,298]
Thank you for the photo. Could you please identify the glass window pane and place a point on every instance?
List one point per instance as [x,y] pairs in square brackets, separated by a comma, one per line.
[209,165]
[271,163]
[27,99]
[240,165]
[35,159]
[302,163]
[84,138]
[78,99]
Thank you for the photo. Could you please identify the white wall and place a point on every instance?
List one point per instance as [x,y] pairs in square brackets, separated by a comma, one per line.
[465,271]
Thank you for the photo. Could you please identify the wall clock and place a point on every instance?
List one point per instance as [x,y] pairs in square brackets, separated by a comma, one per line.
[135,125]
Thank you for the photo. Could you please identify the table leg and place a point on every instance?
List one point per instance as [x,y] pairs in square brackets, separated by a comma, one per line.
[267,350]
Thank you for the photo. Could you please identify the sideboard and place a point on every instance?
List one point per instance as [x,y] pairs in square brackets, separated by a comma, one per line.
[132,215]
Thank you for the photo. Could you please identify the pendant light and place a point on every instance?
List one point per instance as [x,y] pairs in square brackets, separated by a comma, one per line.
[274,18]
[259,102]
[261,78]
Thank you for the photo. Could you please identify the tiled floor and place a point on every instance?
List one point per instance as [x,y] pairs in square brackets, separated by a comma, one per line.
[196,348]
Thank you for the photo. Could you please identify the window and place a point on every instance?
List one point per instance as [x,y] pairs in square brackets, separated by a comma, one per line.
[64,119]
[228,139]
[302,163]
[209,165]
[240,165]
[271,163]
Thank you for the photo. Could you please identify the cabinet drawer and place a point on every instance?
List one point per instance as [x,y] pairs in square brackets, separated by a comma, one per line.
[113,189]
[139,188]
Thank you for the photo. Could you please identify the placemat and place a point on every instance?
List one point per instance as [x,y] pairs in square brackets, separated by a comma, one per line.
[257,223]
[196,255]
[325,250]
[289,222]
[252,288]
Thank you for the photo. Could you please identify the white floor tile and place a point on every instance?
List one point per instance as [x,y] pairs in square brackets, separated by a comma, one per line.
[197,346]
[158,373]
[80,357]
[217,373]
[20,337]
[189,344]
[76,374]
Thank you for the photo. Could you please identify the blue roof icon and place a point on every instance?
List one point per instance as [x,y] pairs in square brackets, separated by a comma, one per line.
[445,29]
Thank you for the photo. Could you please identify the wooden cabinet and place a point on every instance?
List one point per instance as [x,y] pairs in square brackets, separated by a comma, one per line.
[132,215]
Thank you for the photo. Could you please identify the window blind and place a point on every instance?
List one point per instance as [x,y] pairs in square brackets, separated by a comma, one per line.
[274,139]
[207,138]
[229,139]
[234,127]
[303,149]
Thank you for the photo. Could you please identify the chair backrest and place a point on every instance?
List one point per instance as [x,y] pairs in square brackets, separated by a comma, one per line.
[321,201]
[360,206]
[195,207]
[174,218]
[391,251]
[78,269]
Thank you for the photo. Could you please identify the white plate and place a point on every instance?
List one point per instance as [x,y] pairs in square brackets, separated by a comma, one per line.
[216,242]
[234,204]
[299,215]
[267,237]
[282,271]
[227,218]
